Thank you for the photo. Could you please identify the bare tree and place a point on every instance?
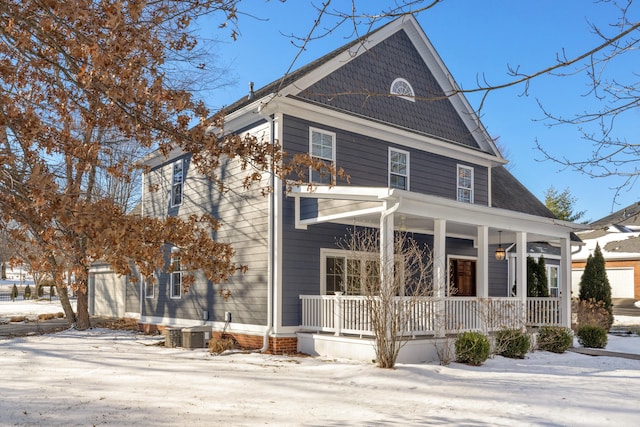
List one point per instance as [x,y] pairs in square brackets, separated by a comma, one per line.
[398,293]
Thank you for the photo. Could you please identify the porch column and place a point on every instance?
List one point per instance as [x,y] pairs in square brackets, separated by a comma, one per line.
[565,282]
[521,271]
[482,280]
[386,247]
[440,273]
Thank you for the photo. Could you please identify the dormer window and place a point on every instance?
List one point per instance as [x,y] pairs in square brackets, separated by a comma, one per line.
[402,89]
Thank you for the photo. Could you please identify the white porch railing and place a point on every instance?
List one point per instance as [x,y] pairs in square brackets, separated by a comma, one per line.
[351,314]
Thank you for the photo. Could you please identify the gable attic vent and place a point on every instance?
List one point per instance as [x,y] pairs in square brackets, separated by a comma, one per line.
[402,88]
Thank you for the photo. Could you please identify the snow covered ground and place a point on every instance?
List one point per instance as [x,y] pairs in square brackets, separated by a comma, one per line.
[104,377]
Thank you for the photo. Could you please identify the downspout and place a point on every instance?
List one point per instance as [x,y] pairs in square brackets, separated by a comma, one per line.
[272,236]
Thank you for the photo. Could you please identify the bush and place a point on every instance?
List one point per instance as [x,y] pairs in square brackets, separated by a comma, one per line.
[27,292]
[554,338]
[14,293]
[219,344]
[512,343]
[592,336]
[472,348]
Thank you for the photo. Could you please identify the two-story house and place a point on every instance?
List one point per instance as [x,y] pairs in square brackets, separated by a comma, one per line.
[386,110]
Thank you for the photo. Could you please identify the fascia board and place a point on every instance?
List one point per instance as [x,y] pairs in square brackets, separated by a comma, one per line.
[333,64]
[401,137]
[437,207]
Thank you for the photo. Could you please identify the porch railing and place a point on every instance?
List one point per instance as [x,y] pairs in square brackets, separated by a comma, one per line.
[422,316]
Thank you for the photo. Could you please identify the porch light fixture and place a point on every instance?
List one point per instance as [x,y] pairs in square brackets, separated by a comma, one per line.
[500,252]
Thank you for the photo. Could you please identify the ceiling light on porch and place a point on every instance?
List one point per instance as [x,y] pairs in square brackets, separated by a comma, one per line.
[500,252]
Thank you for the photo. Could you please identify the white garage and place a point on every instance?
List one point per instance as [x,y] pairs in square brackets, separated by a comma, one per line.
[620,279]
[107,293]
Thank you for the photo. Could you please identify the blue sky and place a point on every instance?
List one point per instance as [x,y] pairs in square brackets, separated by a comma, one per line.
[474,38]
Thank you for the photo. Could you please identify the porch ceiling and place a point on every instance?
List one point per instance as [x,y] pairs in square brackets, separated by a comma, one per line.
[417,212]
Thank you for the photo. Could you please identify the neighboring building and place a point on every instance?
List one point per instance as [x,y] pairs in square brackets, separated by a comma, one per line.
[619,237]
[418,159]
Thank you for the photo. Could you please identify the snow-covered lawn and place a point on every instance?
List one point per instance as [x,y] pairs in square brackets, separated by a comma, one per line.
[104,377]
[30,308]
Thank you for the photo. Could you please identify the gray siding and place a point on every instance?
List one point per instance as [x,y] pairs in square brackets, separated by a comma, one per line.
[244,217]
[132,296]
[362,86]
[365,159]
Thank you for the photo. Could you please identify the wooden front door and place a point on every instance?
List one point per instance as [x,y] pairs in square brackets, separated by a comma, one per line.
[463,277]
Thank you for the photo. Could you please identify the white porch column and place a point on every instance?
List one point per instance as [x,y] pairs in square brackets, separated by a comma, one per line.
[440,273]
[386,247]
[521,270]
[565,282]
[482,280]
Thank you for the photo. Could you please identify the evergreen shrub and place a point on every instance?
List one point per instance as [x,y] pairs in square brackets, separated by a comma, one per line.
[27,292]
[592,336]
[556,339]
[512,343]
[472,348]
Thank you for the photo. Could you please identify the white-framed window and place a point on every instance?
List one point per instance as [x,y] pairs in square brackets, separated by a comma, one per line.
[322,146]
[398,169]
[149,287]
[465,184]
[343,271]
[402,89]
[354,273]
[553,279]
[176,277]
[177,181]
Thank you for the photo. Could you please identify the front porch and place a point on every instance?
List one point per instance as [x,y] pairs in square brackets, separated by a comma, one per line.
[435,317]
[341,326]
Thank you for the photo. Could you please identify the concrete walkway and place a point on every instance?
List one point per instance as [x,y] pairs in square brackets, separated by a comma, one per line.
[600,352]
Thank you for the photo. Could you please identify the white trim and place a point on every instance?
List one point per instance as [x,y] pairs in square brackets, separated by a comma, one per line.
[172,294]
[472,184]
[448,270]
[173,183]
[558,287]
[410,97]
[145,283]
[332,159]
[392,134]
[278,292]
[407,165]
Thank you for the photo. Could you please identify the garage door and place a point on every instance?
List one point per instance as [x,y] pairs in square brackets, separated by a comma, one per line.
[620,279]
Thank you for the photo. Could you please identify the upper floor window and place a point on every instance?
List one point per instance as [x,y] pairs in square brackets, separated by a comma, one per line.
[322,146]
[176,276]
[398,169]
[465,184]
[403,89]
[176,183]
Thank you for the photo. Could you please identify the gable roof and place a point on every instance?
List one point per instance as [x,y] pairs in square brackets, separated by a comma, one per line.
[627,216]
[356,78]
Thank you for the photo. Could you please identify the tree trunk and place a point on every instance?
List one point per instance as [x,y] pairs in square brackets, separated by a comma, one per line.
[83,321]
[63,295]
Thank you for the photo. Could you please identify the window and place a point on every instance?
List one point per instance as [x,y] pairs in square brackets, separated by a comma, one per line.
[398,169]
[322,146]
[176,277]
[176,183]
[465,184]
[402,89]
[552,277]
[354,274]
[149,287]
[345,273]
